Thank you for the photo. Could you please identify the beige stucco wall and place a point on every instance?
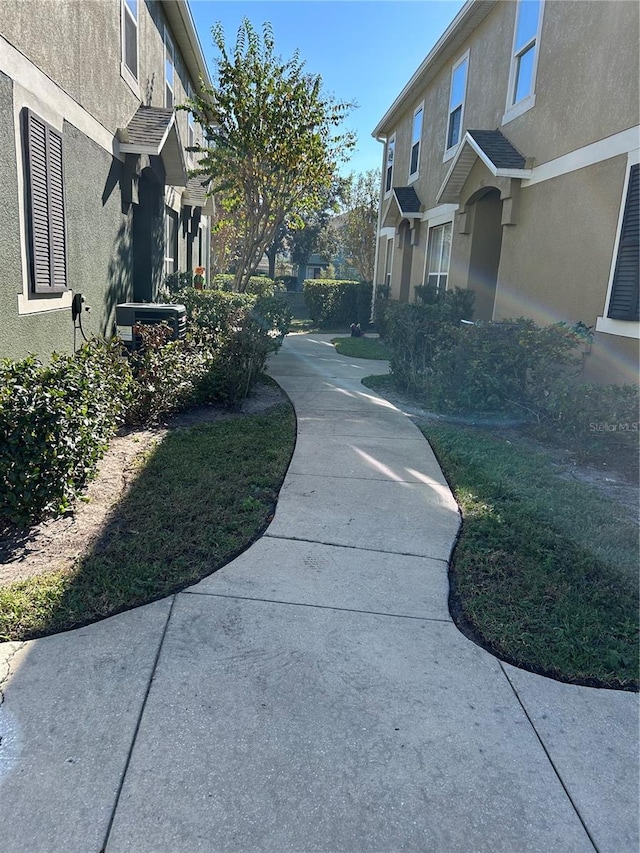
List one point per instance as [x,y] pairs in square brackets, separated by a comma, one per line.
[556,260]
[82,53]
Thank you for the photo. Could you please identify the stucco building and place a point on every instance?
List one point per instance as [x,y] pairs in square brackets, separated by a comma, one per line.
[511,167]
[93,173]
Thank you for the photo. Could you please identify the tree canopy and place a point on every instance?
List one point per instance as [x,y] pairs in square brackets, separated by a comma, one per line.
[273,140]
[360,222]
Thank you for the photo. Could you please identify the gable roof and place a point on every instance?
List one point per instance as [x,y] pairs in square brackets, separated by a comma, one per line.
[154,131]
[195,194]
[407,199]
[500,157]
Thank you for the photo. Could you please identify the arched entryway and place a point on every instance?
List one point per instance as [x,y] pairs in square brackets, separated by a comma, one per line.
[407,258]
[486,245]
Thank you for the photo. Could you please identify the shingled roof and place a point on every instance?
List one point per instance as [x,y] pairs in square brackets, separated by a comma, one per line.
[407,199]
[500,157]
[154,131]
[498,149]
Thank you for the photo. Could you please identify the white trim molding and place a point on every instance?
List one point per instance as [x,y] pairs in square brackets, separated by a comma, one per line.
[513,108]
[589,155]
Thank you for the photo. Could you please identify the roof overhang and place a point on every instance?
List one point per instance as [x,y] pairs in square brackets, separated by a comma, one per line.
[184,34]
[468,153]
[195,195]
[154,131]
[404,203]
[446,48]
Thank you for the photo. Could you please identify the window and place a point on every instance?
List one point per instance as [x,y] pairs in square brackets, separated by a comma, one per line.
[438,255]
[525,47]
[456,101]
[130,35]
[387,263]
[415,142]
[45,204]
[191,127]
[170,241]
[391,147]
[623,304]
[169,71]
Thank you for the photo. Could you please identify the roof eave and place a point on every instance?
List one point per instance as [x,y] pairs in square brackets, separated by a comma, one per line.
[467,19]
[180,20]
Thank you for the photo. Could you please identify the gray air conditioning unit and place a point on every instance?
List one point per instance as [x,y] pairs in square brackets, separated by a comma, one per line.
[130,314]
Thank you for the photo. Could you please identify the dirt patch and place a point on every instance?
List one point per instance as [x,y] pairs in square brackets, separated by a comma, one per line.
[57,544]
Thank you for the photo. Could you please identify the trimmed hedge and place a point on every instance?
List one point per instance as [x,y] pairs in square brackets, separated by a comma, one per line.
[337,303]
[55,424]
[258,285]
[56,420]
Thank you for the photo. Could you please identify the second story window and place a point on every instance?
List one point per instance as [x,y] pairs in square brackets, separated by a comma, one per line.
[456,101]
[130,35]
[169,71]
[415,142]
[191,126]
[391,147]
[525,48]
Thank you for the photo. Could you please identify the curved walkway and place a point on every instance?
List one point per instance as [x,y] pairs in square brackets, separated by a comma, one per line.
[314,694]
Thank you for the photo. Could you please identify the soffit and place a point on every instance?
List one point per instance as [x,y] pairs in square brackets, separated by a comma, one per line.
[178,15]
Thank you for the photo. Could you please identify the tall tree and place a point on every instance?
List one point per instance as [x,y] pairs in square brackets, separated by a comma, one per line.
[360,223]
[273,141]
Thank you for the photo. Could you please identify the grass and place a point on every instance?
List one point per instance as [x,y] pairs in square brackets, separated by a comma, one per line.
[202,496]
[362,348]
[545,571]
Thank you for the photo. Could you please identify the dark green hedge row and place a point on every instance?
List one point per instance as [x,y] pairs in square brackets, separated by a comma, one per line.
[56,420]
[338,303]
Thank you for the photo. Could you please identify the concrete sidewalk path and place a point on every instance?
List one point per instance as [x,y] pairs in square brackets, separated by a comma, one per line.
[313,696]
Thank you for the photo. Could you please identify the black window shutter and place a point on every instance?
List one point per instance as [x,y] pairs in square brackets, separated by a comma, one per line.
[623,304]
[47,232]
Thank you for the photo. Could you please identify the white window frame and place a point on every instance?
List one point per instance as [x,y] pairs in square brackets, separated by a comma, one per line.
[388,263]
[433,220]
[605,324]
[191,128]
[438,222]
[388,170]
[449,151]
[416,142]
[126,73]
[171,221]
[513,110]
[169,54]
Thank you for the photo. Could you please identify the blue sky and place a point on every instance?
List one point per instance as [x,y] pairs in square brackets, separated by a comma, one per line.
[364,50]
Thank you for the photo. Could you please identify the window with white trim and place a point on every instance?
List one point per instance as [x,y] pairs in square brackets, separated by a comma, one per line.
[391,147]
[387,263]
[438,257]
[525,49]
[456,101]
[169,71]
[623,302]
[170,241]
[45,206]
[130,35]
[416,136]
[191,127]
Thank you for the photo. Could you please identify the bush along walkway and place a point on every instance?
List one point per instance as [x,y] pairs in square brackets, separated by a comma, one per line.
[315,687]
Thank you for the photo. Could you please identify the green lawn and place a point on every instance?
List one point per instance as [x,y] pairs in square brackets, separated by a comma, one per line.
[202,496]
[362,348]
[545,570]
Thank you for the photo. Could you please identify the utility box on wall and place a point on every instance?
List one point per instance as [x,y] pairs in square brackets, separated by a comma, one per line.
[130,314]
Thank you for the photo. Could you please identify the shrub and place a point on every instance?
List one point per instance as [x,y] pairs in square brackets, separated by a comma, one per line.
[593,419]
[416,333]
[258,285]
[512,366]
[176,281]
[55,425]
[337,303]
